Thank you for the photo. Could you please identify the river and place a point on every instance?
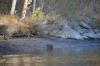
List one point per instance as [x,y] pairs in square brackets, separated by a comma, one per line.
[49,52]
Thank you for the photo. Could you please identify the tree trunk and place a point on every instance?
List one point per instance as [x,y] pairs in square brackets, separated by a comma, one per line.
[24,9]
[13,7]
[34,5]
[94,7]
[41,4]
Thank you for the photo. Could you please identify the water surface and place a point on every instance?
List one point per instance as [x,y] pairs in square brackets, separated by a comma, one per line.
[34,52]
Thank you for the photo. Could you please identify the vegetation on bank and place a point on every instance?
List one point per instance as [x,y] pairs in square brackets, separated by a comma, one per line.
[11,25]
[64,18]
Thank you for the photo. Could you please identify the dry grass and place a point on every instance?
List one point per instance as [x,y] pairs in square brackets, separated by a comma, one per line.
[8,20]
[13,24]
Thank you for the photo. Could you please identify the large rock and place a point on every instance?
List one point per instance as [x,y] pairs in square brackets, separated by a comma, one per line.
[69,29]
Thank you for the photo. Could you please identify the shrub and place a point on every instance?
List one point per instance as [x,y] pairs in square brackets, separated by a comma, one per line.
[39,16]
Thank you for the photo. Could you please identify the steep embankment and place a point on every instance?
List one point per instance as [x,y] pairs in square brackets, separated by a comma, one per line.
[76,29]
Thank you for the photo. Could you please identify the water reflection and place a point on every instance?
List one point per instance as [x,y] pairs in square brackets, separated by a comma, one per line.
[22,60]
[49,60]
[49,54]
